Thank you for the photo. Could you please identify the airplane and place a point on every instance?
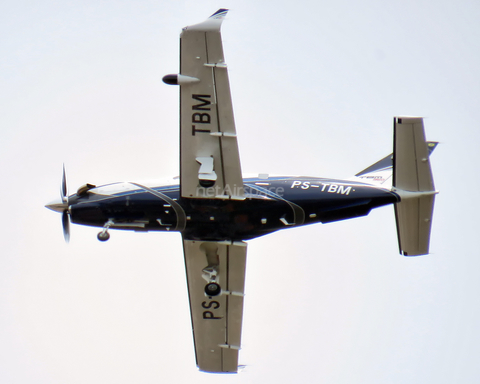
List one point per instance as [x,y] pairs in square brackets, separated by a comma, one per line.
[217,210]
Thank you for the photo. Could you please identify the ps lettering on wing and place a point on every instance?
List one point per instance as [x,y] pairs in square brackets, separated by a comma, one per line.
[209,315]
[201,117]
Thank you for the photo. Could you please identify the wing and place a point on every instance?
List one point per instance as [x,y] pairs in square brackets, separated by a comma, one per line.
[216,319]
[209,158]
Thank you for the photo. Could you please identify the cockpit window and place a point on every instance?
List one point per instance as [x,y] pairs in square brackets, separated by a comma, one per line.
[114,189]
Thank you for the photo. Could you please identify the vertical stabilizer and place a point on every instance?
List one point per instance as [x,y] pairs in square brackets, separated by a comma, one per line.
[413,182]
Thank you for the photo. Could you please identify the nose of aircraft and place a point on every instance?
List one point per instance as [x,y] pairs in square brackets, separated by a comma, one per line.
[57,205]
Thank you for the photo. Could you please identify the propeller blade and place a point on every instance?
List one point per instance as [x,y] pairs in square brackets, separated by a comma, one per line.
[64,190]
[66,226]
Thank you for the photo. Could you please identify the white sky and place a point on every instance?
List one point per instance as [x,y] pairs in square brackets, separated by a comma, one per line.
[315,86]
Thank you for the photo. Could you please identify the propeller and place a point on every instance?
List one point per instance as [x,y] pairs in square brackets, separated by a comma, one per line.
[62,207]
[65,213]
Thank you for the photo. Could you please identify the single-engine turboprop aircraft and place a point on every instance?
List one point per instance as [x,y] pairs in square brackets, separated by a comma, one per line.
[216,210]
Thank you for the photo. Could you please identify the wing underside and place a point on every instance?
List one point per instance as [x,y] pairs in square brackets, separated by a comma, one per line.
[216,320]
[209,158]
[210,168]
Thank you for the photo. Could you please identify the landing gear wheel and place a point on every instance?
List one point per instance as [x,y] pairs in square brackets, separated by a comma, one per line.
[212,289]
[103,236]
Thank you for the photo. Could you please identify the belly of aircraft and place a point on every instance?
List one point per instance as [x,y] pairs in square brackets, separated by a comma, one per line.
[216,219]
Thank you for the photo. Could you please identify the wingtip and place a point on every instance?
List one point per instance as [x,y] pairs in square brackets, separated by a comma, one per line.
[213,23]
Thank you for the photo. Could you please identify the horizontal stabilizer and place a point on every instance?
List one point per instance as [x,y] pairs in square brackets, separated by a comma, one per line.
[413,183]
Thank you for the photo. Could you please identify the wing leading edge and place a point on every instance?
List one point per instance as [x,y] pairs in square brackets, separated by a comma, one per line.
[217,319]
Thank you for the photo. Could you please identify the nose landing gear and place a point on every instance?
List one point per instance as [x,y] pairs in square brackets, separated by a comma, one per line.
[104,235]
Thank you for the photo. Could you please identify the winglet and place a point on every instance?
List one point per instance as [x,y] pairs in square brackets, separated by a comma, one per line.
[212,24]
[220,14]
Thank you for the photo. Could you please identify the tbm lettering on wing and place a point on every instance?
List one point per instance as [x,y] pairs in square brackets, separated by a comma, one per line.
[203,104]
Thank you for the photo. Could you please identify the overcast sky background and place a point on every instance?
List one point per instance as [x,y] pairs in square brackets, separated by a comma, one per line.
[315,86]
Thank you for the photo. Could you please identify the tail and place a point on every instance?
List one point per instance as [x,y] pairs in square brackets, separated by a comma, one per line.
[413,183]
[381,172]
[407,171]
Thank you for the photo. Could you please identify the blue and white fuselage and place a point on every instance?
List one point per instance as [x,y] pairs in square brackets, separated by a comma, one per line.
[269,204]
